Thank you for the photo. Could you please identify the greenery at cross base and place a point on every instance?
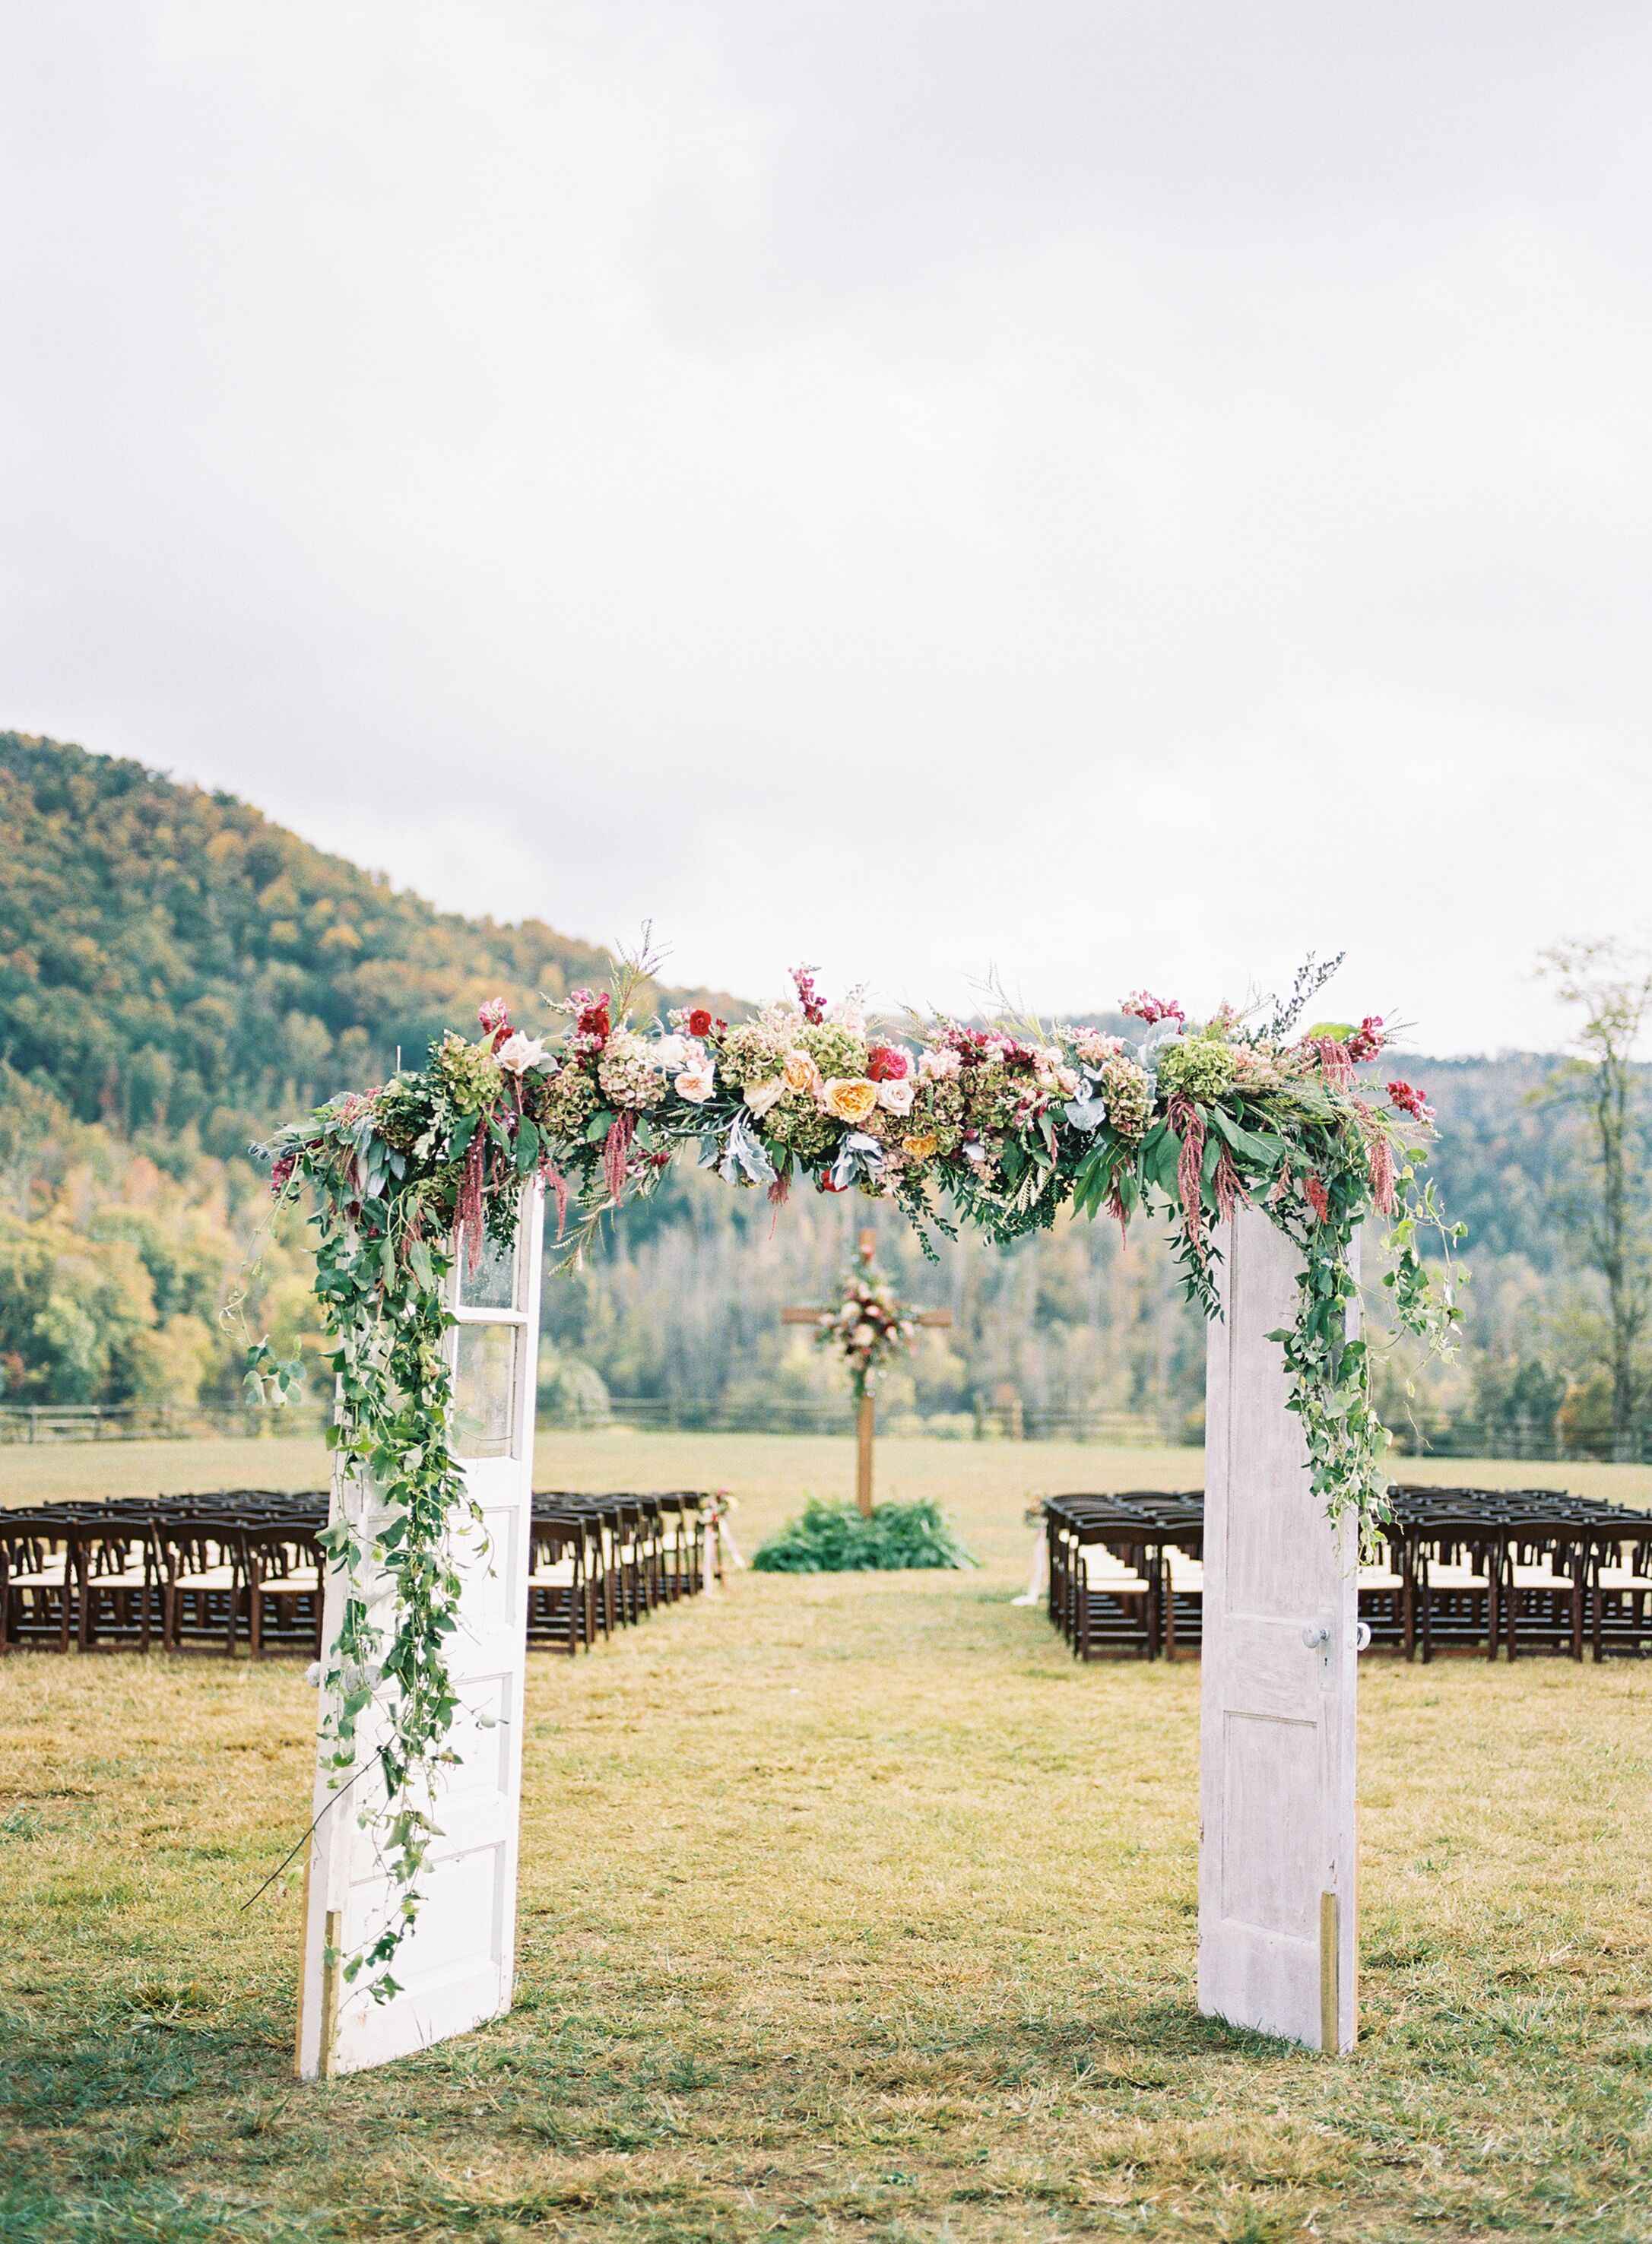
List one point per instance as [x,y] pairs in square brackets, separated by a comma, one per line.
[849,1903]
[830,1536]
[177,973]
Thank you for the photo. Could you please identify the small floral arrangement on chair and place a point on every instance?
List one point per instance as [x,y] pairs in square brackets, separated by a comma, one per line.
[868,1329]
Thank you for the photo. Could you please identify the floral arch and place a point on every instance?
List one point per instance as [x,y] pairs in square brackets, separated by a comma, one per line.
[1000,1127]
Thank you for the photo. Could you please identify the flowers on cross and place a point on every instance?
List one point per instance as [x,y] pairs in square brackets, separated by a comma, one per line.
[870,1329]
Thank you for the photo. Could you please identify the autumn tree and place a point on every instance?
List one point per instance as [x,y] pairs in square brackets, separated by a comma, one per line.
[1609,984]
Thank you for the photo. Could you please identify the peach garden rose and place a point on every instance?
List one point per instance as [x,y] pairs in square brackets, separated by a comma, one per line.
[849,1098]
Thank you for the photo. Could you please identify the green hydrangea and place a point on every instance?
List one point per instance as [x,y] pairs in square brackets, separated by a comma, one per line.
[468,1073]
[834,1050]
[628,1074]
[795,1120]
[752,1051]
[992,1096]
[402,1113]
[1196,1067]
[563,1104]
[1129,1103]
[937,1113]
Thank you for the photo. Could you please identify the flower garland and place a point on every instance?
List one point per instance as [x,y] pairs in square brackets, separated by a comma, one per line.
[998,1127]
[870,1329]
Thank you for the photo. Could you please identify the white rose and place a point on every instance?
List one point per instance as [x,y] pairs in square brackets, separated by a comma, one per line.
[760,1097]
[895,1097]
[668,1052]
[697,1084]
[520,1052]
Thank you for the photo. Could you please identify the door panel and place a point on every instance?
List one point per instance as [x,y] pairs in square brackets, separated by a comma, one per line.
[1276,1861]
[456,1967]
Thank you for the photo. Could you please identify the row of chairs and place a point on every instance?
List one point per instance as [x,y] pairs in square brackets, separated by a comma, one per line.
[244,1569]
[83,1579]
[1486,1571]
[1126,1572]
[1519,1570]
[603,1562]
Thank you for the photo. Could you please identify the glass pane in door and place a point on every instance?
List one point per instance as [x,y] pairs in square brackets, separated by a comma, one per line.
[491,1285]
[484,1391]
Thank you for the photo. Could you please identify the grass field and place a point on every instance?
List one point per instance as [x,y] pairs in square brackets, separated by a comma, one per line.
[850,1908]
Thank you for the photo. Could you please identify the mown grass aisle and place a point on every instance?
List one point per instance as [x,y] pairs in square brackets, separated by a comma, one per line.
[851,1906]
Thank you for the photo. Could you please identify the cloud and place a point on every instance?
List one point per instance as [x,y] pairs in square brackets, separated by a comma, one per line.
[1115,494]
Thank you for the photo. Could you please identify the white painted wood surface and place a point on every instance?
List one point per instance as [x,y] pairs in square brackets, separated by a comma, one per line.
[1277,1751]
[456,1968]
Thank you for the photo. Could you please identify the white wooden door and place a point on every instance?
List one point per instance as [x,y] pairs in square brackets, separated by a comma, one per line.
[1276,1858]
[456,1968]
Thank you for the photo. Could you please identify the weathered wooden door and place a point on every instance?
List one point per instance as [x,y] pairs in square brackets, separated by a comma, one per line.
[456,1968]
[1276,1926]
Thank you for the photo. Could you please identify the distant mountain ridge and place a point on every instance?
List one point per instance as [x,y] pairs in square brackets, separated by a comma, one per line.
[170,956]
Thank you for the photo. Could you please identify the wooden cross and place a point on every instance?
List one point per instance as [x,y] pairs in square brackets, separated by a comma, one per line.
[863,1426]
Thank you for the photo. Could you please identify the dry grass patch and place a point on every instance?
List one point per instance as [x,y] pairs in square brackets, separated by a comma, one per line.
[850,1907]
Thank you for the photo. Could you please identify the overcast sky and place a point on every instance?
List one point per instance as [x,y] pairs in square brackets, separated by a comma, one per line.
[1116,494]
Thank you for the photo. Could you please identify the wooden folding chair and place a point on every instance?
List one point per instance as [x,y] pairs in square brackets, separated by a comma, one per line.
[1182,1594]
[558,1610]
[1621,1592]
[1382,1600]
[203,1581]
[1114,1591]
[1546,1586]
[285,1582]
[36,1580]
[117,1582]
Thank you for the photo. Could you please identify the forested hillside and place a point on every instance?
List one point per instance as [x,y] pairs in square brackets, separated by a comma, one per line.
[177,973]
[169,958]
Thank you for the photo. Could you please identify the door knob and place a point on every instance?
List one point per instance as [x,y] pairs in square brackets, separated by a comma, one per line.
[1320,1636]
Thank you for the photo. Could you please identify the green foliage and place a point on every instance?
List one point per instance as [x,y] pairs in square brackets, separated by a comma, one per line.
[389,1227]
[832,1537]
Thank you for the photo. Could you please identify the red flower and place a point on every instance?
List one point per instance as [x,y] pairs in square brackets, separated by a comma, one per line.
[888,1064]
[280,1174]
[1151,1009]
[808,996]
[825,1183]
[1409,1101]
[1318,1200]
[594,1021]
[1368,1039]
[699,1020]
[495,1017]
